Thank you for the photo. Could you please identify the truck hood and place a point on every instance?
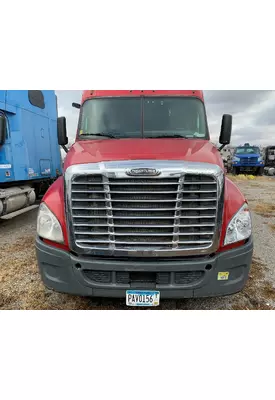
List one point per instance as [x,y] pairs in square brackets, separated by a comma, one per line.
[93,151]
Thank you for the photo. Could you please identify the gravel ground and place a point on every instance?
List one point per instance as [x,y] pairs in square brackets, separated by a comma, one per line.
[21,287]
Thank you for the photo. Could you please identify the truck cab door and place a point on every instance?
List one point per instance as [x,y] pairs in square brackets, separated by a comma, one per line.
[43,146]
[6,160]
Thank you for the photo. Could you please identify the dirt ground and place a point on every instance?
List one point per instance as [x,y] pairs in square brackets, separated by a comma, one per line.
[21,286]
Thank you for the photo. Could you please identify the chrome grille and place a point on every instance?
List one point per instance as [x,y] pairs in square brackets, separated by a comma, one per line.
[249,160]
[140,215]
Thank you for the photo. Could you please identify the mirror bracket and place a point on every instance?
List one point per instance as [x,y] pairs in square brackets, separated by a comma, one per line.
[76,105]
[222,147]
[65,148]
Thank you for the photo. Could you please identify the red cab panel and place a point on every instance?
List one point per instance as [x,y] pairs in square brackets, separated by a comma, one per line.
[54,198]
[93,151]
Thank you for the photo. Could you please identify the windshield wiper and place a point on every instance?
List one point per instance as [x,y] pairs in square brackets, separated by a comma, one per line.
[165,136]
[109,135]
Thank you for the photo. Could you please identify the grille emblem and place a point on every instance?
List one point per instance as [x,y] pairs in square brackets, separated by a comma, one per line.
[143,172]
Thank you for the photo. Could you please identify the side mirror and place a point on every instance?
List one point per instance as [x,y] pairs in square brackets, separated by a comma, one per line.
[62,133]
[226,130]
[3,129]
[76,105]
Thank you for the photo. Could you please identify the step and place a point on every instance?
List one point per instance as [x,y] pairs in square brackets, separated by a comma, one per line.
[19,212]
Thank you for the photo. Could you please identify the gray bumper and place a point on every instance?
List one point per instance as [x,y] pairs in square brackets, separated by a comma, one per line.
[89,276]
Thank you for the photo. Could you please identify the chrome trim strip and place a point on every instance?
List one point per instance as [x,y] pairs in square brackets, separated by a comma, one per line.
[114,217]
[143,192]
[145,201]
[146,209]
[143,234]
[144,243]
[129,183]
[149,226]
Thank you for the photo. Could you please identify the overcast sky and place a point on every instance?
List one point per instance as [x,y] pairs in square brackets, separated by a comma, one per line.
[253,113]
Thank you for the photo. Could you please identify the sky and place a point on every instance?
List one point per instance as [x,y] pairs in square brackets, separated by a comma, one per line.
[253,113]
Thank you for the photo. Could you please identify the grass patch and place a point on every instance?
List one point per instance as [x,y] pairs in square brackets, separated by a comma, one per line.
[21,287]
[255,178]
[256,184]
[265,209]
[243,177]
[258,292]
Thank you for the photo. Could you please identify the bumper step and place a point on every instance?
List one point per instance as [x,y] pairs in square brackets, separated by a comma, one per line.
[19,212]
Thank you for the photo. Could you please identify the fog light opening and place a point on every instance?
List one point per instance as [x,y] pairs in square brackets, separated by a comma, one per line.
[208,267]
[78,266]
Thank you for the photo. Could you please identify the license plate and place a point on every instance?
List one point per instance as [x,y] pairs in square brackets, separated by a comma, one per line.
[136,298]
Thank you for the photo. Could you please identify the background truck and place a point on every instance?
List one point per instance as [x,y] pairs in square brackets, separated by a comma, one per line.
[30,158]
[144,210]
[270,160]
[248,159]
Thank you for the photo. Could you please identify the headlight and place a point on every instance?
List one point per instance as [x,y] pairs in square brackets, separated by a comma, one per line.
[240,226]
[236,159]
[260,159]
[48,226]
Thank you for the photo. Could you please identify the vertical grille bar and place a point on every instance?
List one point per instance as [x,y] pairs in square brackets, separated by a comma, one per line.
[109,209]
[177,216]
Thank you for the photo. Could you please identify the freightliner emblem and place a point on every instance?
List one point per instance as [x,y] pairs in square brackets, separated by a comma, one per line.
[143,172]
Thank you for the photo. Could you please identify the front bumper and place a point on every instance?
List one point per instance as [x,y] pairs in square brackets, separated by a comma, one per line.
[192,277]
[256,165]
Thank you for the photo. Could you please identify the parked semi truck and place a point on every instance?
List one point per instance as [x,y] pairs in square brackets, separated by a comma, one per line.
[248,159]
[144,210]
[30,158]
[270,161]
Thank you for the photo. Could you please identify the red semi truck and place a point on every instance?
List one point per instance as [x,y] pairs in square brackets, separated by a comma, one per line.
[144,210]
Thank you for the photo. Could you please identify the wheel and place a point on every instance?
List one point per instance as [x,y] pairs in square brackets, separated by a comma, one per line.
[261,171]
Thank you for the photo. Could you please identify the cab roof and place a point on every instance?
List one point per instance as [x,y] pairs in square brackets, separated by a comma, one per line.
[89,94]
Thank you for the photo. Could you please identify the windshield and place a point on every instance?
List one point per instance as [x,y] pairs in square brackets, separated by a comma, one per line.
[248,150]
[143,117]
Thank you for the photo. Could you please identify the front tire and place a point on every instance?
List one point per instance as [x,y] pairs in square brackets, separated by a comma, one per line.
[261,171]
